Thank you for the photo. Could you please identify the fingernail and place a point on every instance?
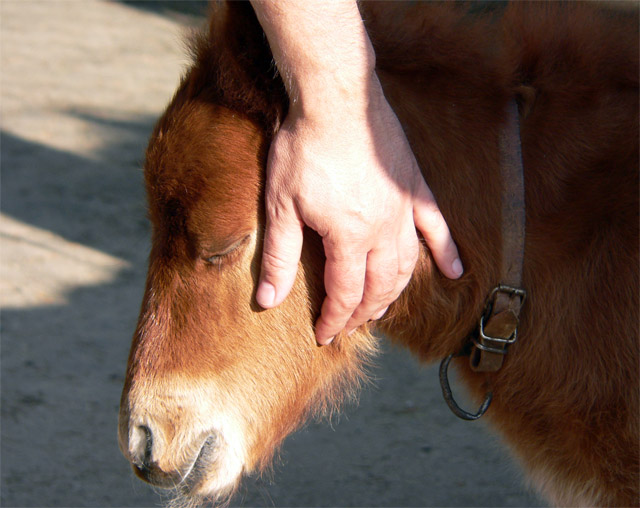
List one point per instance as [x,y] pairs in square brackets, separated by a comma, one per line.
[380,314]
[266,294]
[325,342]
[456,267]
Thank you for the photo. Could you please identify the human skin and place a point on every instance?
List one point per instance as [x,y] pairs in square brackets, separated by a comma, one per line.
[341,164]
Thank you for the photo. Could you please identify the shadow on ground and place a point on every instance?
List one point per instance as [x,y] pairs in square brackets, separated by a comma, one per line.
[170,8]
[63,364]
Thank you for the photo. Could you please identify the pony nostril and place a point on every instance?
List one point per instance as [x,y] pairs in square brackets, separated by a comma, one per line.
[142,448]
[142,460]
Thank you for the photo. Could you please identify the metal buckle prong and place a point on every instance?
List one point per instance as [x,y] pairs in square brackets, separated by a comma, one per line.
[510,290]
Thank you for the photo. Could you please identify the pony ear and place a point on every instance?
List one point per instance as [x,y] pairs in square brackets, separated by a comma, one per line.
[234,67]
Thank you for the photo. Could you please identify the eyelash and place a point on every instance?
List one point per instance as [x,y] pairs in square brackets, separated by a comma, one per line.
[218,259]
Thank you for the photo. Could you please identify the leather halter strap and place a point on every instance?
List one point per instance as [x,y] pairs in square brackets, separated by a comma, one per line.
[498,326]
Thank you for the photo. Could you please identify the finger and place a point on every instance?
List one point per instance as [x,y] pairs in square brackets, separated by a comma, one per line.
[379,287]
[344,278]
[280,256]
[380,314]
[407,256]
[409,251]
[429,220]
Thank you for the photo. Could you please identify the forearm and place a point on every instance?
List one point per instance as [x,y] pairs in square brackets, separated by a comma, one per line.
[321,49]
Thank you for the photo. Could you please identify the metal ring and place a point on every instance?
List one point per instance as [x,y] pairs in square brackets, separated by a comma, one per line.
[448,395]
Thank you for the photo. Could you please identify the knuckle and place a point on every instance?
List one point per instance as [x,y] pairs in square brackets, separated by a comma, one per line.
[343,249]
[407,264]
[346,302]
[382,277]
[273,262]
[385,295]
[376,299]
[433,219]
[389,293]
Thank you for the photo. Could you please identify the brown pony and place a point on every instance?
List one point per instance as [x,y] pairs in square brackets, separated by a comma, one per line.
[214,383]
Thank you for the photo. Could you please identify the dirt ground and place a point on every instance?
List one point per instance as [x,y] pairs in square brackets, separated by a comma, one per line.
[82,82]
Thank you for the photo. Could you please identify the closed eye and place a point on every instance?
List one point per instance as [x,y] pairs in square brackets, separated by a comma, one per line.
[227,254]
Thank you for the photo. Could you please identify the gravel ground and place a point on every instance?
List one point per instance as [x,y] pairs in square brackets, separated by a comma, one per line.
[81,85]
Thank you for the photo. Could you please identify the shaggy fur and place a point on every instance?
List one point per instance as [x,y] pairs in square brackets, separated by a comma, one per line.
[566,399]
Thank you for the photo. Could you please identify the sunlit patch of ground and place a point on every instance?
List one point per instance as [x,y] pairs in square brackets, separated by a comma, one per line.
[40,268]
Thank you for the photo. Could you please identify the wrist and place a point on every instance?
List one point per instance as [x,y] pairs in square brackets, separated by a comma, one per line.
[321,49]
[335,93]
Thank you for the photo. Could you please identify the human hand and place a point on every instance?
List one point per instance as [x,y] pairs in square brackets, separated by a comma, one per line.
[347,171]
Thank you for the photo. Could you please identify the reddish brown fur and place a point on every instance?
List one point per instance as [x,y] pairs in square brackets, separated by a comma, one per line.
[566,399]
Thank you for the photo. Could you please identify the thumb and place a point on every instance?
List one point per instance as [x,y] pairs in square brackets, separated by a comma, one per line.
[280,256]
[434,229]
